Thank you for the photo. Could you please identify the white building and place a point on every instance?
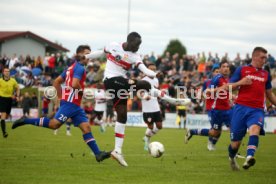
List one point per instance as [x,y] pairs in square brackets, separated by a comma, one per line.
[26,43]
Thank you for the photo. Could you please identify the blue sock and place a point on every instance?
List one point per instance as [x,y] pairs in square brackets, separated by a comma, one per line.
[91,142]
[43,122]
[204,132]
[252,144]
[194,131]
[232,152]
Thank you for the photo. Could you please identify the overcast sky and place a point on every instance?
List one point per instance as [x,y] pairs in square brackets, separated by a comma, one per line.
[201,25]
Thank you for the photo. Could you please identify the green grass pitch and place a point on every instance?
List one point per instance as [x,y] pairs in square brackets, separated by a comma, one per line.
[32,155]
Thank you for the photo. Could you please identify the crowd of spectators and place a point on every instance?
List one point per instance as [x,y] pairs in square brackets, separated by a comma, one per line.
[187,70]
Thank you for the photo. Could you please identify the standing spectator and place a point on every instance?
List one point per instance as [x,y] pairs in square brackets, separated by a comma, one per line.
[247,60]
[237,60]
[3,61]
[271,62]
[51,64]
[28,61]
[26,103]
[46,62]
[216,60]
[7,87]
[13,61]
[59,68]
[59,59]
[38,63]
[34,100]
[152,58]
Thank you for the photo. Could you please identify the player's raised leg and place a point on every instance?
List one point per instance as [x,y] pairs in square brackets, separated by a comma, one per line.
[191,132]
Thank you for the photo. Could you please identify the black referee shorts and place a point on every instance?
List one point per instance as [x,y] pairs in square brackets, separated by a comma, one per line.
[5,104]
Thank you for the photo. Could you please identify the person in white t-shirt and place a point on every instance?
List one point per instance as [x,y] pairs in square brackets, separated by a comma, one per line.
[151,110]
[100,106]
[120,58]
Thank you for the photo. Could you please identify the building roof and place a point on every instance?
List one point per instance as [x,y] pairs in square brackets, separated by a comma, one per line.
[7,35]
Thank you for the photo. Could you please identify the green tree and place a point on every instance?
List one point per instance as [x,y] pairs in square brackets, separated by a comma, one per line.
[175,46]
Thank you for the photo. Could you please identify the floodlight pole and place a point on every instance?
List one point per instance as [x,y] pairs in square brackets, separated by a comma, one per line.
[128,16]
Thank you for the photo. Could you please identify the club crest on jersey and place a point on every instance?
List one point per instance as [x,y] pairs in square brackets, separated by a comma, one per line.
[118,58]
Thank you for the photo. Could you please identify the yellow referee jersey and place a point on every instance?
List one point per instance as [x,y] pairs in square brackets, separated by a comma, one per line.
[181,107]
[7,87]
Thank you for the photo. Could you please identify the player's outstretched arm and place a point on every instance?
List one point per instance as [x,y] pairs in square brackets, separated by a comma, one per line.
[146,71]
[95,54]
[270,96]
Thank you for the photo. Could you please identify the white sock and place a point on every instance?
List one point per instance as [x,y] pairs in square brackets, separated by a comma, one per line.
[148,134]
[119,136]
[155,130]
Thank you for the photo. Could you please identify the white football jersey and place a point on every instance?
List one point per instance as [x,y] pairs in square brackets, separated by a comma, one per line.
[119,61]
[100,100]
[151,105]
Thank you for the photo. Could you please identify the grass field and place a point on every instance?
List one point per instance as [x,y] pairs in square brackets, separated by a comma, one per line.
[34,155]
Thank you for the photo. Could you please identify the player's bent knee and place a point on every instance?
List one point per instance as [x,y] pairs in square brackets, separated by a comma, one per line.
[159,126]
[54,124]
[254,130]
[214,133]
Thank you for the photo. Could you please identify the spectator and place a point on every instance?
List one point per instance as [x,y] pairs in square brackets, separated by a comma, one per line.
[34,100]
[271,61]
[38,63]
[26,103]
[51,63]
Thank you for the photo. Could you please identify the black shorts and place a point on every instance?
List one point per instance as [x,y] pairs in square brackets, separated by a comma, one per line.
[5,104]
[182,113]
[152,117]
[99,114]
[118,87]
[109,112]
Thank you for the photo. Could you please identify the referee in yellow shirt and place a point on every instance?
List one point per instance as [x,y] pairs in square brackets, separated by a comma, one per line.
[7,87]
[181,112]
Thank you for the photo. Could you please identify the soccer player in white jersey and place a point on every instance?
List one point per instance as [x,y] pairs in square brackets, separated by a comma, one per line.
[151,110]
[120,58]
[100,106]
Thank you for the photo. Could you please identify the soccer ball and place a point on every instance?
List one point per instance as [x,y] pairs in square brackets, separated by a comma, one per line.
[156,149]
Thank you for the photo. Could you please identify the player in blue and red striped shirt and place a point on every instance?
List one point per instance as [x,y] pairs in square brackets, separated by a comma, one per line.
[254,87]
[218,106]
[71,96]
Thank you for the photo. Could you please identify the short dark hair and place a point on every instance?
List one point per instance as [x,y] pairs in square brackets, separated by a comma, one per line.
[223,62]
[215,68]
[81,48]
[131,36]
[259,49]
